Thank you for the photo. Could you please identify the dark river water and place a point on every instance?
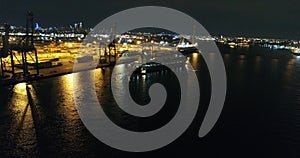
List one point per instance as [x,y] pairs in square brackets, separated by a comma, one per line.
[260,118]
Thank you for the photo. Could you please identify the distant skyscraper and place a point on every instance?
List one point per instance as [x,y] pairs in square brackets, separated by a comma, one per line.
[37,27]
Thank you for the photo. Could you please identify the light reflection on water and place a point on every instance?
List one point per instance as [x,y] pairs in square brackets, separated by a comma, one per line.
[20,88]
[22,133]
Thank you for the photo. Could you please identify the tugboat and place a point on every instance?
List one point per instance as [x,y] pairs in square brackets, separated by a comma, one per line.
[296,51]
[186,47]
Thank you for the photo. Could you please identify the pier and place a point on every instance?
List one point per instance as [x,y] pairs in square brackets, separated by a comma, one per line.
[27,60]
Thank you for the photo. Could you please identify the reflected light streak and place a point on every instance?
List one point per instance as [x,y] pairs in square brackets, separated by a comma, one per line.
[20,88]
[22,129]
[68,81]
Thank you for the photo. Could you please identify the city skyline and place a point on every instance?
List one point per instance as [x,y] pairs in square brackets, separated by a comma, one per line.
[271,19]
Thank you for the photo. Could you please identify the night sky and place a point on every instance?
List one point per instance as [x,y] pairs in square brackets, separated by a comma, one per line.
[254,18]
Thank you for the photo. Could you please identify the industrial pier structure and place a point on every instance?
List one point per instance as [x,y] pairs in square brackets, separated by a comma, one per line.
[14,69]
[19,60]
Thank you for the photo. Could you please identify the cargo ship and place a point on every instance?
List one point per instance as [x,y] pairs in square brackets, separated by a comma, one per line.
[167,61]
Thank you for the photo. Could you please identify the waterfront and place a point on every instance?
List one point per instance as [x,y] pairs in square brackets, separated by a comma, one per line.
[260,118]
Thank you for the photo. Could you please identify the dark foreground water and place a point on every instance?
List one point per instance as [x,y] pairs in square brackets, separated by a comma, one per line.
[261,116]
